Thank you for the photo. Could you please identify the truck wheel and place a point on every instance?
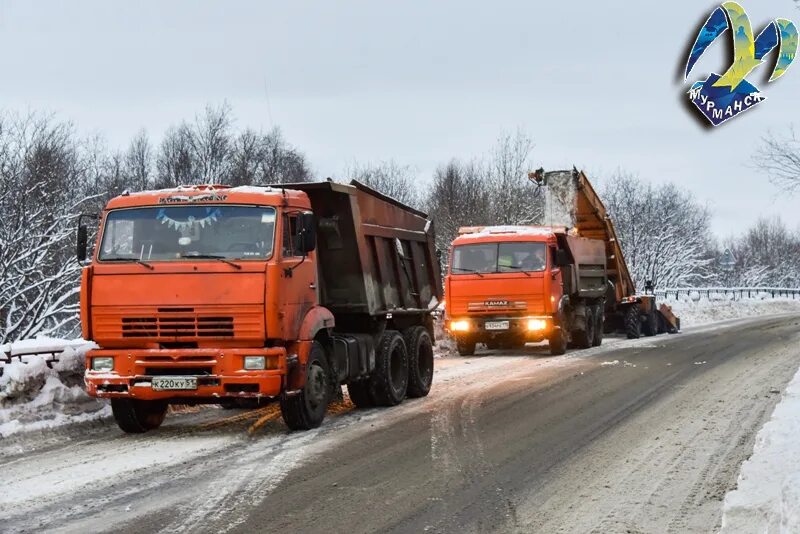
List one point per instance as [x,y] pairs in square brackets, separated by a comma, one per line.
[651,324]
[598,326]
[585,338]
[306,409]
[558,342]
[420,361]
[360,394]
[465,347]
[633,324]
[390,378]
[137,416]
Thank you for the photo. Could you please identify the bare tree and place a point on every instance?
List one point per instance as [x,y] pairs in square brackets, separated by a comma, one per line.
[138,163]
[664,231]
[390,178]
[210,141]
[779,157]
[42,183]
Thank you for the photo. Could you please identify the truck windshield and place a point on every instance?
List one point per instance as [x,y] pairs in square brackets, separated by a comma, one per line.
[180,232]
[518,256]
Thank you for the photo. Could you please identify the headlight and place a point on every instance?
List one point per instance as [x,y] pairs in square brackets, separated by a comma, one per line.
[459,326]
[537,324]
[103,363]
[254,363]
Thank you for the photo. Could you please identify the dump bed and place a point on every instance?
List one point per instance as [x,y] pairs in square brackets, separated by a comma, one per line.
[592,221]
[375,254]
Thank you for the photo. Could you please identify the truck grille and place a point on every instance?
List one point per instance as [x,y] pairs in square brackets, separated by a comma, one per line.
[178,324]
[181,326]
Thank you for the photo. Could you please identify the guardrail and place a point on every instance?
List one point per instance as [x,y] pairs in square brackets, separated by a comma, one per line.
[734,293]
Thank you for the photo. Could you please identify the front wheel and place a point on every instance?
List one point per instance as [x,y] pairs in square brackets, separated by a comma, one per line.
[306,409]
[465,347]
[633,323]
[558,341]
[136,416]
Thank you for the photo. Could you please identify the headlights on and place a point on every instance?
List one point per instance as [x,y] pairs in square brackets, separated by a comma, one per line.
[459,326]
[535,325]
[255,363]
[103,363]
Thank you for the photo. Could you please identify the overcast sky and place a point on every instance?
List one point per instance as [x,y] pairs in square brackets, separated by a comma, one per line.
[595,84]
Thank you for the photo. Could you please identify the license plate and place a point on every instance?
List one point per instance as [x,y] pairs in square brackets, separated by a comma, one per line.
[496,325]
[161,383]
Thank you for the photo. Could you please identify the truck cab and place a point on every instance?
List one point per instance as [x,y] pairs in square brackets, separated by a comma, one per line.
[502,286]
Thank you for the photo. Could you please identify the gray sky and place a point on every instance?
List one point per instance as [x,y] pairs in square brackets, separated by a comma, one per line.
[593,83]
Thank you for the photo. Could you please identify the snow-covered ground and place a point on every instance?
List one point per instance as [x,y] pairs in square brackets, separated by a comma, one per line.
[34,395]
[767,497]
[698,311]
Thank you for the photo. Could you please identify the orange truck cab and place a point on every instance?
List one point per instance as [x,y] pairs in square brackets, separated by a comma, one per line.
[211,294]
[509,285]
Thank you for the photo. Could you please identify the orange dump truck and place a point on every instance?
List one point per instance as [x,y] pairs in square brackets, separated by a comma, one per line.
[508,285]
[210,294]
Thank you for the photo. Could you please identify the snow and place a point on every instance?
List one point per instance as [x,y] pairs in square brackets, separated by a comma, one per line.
[484,231]
[34,396]
[767,497]
[699,311]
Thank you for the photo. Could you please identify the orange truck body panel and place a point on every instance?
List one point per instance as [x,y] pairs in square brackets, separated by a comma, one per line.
[514,296]
[201,316]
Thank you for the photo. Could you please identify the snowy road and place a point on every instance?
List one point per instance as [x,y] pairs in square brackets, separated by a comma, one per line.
[643,435]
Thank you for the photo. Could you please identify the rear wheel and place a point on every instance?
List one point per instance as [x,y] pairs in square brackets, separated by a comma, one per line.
[420,361]
[465,347]
[306,409]
[585,338]
[598,326]
[633,324]
[136,416]
[390,378]
[492,345]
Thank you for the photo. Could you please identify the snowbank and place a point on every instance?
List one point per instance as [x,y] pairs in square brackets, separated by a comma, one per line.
[767,499]
[34,396]
[698,311]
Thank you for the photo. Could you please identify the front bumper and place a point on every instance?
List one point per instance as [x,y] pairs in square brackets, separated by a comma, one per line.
[517,327]
[220,373]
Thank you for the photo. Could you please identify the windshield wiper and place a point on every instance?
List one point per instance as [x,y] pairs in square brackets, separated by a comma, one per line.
[135,260]
[471,271]
[223,259]
[517,268]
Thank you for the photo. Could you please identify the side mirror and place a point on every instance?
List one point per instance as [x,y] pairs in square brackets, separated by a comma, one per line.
[82,243]
[308,232]
[562,258]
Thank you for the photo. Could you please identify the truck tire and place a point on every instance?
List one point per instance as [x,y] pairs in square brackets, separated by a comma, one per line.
[599,321]
[585,338]
[420,361]
[306,409]
[633,324]
[360,394]
[136,416]
[557,342]
[465,347]
[650,327]
[390,378]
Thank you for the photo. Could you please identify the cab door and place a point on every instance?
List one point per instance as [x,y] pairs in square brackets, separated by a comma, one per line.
[554,277]
[298,276]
